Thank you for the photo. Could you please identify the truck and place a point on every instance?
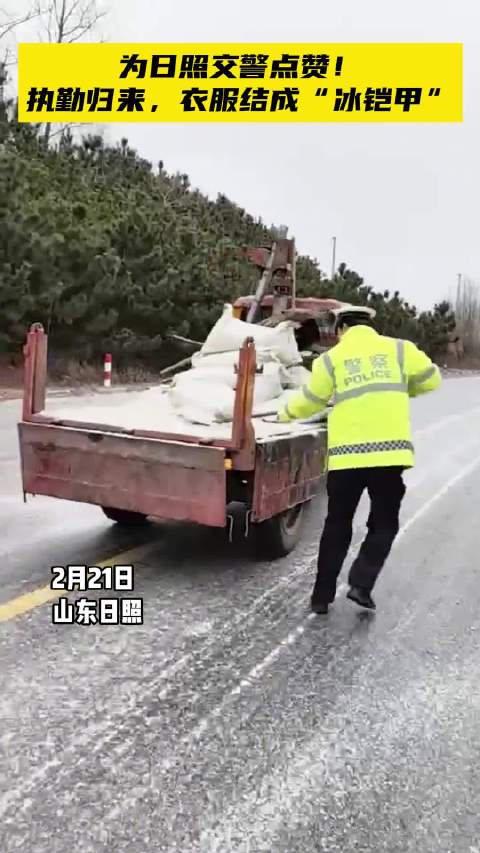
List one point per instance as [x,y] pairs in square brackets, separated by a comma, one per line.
[134,473]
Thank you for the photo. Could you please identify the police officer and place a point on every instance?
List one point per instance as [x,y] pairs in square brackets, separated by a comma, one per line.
[370,378]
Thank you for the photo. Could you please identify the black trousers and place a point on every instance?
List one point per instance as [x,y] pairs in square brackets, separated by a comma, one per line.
[386,490]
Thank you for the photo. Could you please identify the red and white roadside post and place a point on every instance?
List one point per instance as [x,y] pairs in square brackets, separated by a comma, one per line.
[107,370]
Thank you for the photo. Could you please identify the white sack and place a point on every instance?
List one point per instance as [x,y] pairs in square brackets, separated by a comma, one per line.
[295,377]
[230,359]
[215,373]
[202,398]
[202,405]
[212,371]
[229,334]
[206,393]
[269,382]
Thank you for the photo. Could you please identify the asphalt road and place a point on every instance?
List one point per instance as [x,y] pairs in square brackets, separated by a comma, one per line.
[233,719]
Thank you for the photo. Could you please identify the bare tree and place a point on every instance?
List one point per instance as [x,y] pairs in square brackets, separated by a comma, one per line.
[61,22]
[467,312]
[66,22]
[8,25]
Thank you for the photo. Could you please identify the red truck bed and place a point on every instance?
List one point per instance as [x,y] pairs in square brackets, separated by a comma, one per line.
[137,473]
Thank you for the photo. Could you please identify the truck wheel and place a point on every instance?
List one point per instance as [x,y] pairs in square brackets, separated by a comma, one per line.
[124,516]
[278,536]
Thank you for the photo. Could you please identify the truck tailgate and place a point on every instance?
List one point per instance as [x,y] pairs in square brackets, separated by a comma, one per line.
[166,479]
[288,471]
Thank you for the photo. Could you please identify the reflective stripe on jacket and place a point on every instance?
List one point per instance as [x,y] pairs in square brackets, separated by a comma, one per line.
[370,378]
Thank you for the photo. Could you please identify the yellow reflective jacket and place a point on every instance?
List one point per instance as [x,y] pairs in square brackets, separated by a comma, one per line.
[370,378]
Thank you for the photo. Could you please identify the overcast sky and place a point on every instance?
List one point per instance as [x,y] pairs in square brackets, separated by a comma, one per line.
[403,201]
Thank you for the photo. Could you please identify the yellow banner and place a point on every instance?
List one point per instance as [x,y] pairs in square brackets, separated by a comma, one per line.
[240,83]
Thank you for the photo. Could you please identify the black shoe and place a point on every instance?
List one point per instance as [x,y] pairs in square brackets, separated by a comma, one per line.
[319,607]
[361,597]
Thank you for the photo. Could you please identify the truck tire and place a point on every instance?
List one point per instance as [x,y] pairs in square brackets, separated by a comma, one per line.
[124,516]
[278,536]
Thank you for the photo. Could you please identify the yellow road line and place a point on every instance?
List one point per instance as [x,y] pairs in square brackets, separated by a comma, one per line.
[30,600]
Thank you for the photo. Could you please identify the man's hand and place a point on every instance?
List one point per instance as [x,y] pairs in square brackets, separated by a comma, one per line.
[314,396]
